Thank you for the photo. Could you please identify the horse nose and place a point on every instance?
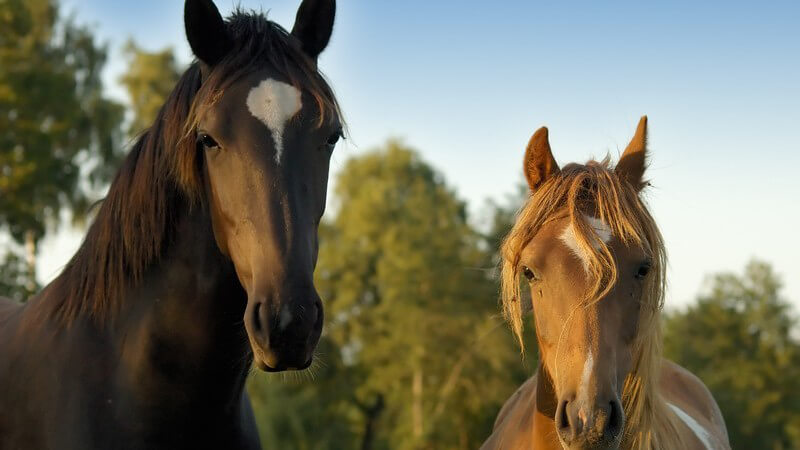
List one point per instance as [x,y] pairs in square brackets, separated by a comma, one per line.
[284,334]
[608,424]
[568,424]
[578,422]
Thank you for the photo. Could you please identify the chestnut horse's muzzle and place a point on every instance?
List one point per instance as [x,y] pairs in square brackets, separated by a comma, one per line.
[590,425]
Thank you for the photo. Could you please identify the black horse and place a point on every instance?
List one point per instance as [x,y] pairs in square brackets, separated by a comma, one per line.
[199,261]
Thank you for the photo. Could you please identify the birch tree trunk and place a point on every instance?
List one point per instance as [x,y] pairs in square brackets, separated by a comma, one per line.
[416,394]
[30,259]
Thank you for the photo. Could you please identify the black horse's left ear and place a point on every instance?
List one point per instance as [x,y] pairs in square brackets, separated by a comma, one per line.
[205,31]
[633,162]
[314,25]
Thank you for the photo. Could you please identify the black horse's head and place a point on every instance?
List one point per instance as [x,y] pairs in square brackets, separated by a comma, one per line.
[266,124]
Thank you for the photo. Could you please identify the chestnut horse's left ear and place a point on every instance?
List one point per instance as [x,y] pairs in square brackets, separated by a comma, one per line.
[205,31]
[314,25]
[633,162]
[539,164]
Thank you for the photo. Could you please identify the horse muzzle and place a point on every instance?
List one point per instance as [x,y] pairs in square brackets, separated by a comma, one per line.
[589,425]
[284,334]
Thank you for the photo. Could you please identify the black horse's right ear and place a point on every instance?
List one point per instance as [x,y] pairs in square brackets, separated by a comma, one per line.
[205,31]
[314,25]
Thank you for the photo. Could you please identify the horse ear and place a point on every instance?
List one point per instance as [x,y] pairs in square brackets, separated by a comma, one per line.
[633,162]
[314,24]
[205,31]
[539,163]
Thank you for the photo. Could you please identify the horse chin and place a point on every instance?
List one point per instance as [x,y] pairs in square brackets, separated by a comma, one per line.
[587,446]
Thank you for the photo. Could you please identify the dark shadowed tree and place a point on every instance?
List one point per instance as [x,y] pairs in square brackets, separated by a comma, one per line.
[14,276]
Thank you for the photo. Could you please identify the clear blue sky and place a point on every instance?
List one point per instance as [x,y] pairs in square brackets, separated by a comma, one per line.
[467,82]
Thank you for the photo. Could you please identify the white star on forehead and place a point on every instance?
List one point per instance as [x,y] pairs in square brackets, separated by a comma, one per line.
[274,103]
[570,240]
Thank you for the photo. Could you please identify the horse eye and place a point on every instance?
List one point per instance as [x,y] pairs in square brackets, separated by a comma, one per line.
[644,269]
[528,273]
[334,138]
[207,141]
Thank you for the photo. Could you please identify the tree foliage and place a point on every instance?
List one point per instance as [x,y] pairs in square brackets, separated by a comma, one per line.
[58,134]
[149,81]
[306,410]
[423,358]
[738,338]
[15,279]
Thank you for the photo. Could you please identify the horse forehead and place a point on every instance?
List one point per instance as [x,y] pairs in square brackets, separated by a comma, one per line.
[273,103]
[569,238]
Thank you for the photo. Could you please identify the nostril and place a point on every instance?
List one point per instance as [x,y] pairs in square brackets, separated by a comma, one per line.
[563,417]
[614,423]
[257,317]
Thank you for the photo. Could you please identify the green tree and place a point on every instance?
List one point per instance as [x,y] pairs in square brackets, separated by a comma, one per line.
[306,410]
[149,81]
[413,304]
[500,217]
[59,135]
[738,338]
[14,277]
[414,353]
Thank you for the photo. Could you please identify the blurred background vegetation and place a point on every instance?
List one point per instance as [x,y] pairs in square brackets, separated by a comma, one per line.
[414,354]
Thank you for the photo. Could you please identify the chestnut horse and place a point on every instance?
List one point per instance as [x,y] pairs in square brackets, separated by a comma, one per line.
[594,261]
[199,262]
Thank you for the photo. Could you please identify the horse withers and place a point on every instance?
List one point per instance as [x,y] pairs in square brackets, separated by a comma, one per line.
[594,261]
[199,262]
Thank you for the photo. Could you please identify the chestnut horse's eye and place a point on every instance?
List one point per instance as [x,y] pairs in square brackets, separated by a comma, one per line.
[528,273]
[207,141]
[644,269]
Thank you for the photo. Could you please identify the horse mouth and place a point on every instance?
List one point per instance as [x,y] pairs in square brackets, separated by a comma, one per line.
[280,367]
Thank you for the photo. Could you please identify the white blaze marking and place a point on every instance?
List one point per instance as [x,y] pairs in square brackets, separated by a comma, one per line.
[702,434]
[285,319]
[274,103]
[583,389]
[568,237]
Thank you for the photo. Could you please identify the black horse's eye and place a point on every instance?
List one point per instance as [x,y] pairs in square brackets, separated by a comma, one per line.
[207,141]
[528,273]
[642,272]
[333,139]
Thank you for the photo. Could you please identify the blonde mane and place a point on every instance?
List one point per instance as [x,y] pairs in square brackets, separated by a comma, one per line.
[595,189]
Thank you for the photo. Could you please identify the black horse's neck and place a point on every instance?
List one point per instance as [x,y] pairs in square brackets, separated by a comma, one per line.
[180,330]
[167,370]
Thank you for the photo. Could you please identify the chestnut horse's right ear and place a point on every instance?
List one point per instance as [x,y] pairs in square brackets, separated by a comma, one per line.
[633,162]
[205,31]
[539,163]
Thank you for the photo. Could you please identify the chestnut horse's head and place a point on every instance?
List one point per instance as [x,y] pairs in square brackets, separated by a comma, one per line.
[593,258]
